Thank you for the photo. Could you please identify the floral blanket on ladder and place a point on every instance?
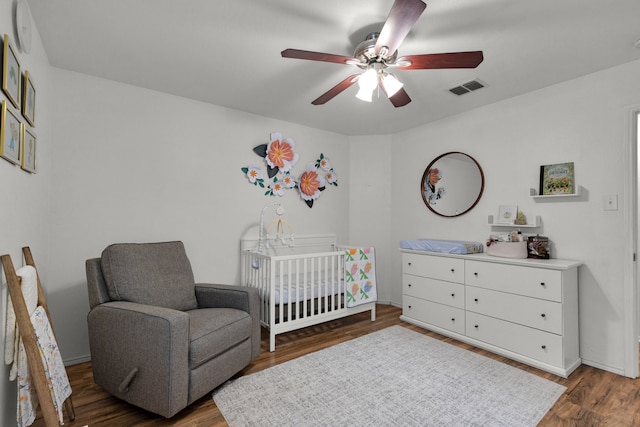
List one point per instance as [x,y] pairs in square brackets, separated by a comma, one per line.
[360,276]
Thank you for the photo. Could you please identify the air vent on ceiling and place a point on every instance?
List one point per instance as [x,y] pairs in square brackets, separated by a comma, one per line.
[467,87]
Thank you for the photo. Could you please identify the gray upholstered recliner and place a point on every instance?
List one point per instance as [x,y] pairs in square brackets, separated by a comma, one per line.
[158,340]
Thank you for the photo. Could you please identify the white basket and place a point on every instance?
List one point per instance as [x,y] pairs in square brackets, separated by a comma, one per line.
[508,249]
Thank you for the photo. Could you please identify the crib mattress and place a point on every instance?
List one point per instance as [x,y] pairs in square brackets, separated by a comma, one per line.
[459,247]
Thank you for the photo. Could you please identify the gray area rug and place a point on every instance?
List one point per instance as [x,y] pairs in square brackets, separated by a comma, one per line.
[393,377]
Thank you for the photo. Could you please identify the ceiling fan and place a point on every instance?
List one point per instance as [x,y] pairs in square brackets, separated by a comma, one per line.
[378,52]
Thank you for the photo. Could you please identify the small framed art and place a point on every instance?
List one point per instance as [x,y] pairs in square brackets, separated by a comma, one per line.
[557,179]
[29,100]
[9,135]
[28,150]
[507,214]
[10,73]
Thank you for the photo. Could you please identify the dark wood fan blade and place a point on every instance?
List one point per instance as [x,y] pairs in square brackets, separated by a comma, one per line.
[441,60]
[317,56]
[403,14]
[400,98]
[328,95]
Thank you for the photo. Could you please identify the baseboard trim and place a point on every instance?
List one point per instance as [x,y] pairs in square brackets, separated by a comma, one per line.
[77,360]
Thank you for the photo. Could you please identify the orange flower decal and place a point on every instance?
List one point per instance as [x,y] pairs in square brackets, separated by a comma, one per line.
[309,183]
[280,152]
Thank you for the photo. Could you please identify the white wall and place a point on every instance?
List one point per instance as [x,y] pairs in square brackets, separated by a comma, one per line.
[120,163]
[25,197]
[583,121]
[370,207]
[134,165]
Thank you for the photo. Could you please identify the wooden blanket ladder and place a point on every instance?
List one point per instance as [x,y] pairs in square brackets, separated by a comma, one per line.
[27,333]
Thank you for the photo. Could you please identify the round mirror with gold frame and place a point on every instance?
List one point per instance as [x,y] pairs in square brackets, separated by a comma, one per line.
[452,184]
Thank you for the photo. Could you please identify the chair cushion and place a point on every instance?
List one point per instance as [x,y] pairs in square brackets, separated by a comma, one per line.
[156,274]
[214,331]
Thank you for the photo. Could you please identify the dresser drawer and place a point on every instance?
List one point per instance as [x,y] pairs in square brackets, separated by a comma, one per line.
[530,281]
[433,290]
[527,311]
[442,268]
[539,345]
[440,315]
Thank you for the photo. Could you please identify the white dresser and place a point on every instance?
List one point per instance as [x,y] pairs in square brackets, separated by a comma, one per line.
[523,309]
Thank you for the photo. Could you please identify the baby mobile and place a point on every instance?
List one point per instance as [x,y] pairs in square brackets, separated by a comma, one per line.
[280,157]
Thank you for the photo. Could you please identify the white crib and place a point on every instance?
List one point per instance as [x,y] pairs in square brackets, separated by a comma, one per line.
[299,285]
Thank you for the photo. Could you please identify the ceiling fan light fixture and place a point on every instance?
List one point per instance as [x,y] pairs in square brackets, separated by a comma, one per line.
[390,84]
[367,83]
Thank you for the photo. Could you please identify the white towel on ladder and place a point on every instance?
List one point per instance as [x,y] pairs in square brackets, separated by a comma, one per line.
[15,354]
[55,372]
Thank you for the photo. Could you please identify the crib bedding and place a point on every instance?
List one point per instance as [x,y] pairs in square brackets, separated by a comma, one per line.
[459,247]
[302,289]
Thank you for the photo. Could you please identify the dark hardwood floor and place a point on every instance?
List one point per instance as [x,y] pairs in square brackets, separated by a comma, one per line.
[593,397]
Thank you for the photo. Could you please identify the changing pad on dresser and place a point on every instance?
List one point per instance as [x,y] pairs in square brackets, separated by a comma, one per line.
[445,246]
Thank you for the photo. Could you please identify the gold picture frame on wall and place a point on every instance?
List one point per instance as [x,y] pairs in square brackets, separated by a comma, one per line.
[29,99]
[10,133]
[11,73]
[28,146]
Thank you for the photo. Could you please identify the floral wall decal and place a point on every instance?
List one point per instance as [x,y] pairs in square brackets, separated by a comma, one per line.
[280,158]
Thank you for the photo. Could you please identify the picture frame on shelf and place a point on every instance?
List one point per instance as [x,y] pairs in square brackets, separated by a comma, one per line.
[29,99]
[557,179]
[507,214]
[11,73]
[10,134]
[28,149]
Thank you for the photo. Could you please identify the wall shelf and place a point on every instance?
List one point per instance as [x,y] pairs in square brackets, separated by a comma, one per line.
[537,222]
[534,193]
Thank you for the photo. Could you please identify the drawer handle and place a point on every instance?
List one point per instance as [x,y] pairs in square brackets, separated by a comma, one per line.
[453,319]
[453,270]
[409,284]
[409,307]
[475,299]
[476,326]
[475,274]
[543,284]
[543,315]
[544,347]
[408,263]
[453,295]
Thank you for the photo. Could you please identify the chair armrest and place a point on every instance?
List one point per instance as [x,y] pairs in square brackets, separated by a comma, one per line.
[229,296]
[136,348]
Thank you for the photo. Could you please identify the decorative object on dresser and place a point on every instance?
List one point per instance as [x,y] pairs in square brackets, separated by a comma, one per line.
[392,377]
[524,309]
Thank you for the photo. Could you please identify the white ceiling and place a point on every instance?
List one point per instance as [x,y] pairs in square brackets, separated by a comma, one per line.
[227,52]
